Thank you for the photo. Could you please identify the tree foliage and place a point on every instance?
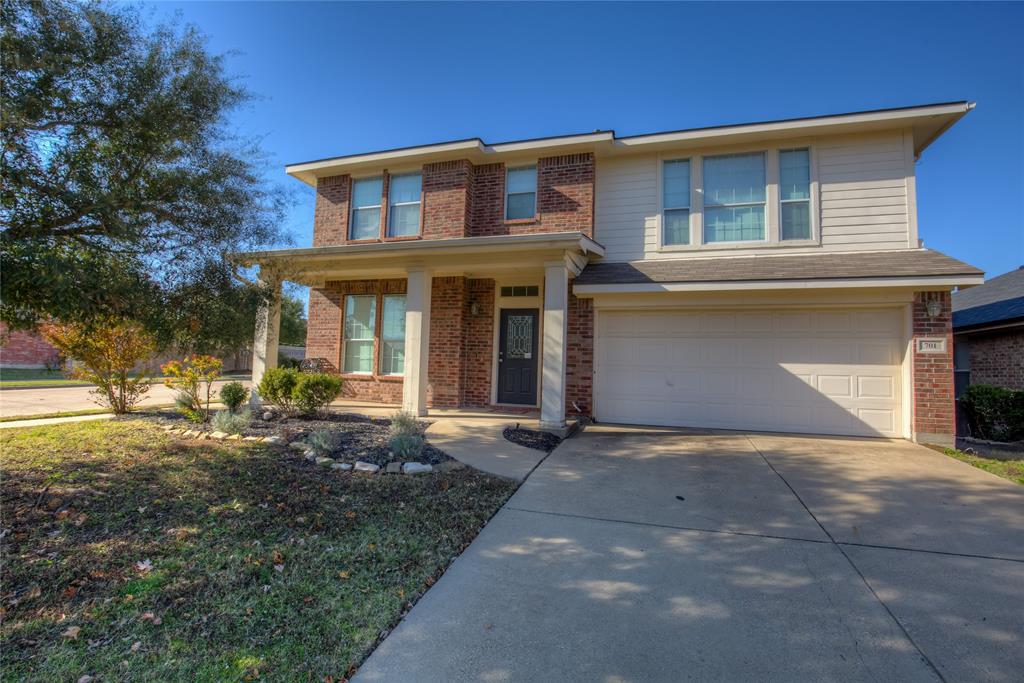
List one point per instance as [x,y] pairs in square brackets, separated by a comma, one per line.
[122,190]
[106,355]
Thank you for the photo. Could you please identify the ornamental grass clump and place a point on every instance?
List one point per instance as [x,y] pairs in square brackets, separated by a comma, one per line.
[406,440]
[231,422]
[324,441]
[192,378]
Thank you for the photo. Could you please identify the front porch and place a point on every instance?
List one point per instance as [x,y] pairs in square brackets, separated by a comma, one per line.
[487,324]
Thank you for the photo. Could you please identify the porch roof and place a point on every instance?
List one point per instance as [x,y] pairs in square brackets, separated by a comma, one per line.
[383,259]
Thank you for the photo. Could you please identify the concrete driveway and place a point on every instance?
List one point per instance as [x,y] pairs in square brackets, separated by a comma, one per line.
[638,555]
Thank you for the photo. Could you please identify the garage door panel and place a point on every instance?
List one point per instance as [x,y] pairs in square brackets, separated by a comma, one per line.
[735,370]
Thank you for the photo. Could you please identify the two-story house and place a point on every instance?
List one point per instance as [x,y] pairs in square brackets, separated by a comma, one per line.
[765,276]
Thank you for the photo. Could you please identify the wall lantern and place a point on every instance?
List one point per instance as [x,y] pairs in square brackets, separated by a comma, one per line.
[474,309]
[933,308]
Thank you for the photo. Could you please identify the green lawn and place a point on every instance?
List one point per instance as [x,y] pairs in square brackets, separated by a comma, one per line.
[131,555]
[1007,469]
[15,378]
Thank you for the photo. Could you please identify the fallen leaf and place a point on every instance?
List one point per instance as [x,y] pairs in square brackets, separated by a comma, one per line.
[129,597]
[72,632]
[278,567]
[144,566]
[147,616]
[343,575]
[136,646]
[351,514]
[308,599]
[277,557]
[70,592]
[86,678]
[34,592]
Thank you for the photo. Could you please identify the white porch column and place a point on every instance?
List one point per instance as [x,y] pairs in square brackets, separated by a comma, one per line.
[556,304]
[268,329]
[417,340]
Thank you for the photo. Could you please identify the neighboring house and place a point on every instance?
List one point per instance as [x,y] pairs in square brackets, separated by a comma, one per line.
[988,333]
[766,276]
[25,349]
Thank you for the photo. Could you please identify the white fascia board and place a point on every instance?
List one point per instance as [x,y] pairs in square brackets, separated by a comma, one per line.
[942,281]
[885,116]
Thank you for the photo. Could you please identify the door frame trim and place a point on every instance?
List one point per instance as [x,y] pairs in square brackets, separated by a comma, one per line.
[538,314]
[501,303]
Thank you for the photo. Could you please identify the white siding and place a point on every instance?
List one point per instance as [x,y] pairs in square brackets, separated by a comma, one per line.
[863,185]
[863,189]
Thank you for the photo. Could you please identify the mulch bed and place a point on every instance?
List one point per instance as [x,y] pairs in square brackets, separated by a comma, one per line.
[357,437]
[541,441]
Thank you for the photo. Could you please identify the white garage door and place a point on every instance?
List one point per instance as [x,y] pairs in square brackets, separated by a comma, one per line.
[812,371]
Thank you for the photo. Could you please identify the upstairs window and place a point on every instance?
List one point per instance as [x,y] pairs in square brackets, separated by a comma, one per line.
[795,194]
[360,323]
[366,196]
[675,198]
[734,198]
[404,193]
[521,193]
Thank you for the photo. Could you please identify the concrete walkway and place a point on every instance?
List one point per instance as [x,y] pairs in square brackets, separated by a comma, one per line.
[638,556]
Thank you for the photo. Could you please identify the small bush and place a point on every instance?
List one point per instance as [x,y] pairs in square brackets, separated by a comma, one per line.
[404,424]
[277,386]
[406,446]
[231,422]
[994,413]
[314,392]
[106,353]
[193,378]
[233,395]
[324,441]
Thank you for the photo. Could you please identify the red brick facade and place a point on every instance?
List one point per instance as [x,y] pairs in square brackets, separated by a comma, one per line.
[20,349]
[997,358]
[579,370]
[463,200]
[461,341]
[934,413]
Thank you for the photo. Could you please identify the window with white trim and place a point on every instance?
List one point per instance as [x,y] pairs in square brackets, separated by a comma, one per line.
[734,198]
[404,194]
[521,193]
[360,324]
[795,194]
[366,199]
[675,202]
[392,348]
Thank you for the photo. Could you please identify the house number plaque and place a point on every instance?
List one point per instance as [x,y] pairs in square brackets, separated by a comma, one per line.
[933,345]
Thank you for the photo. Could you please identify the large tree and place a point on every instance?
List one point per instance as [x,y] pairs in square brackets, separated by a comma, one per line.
[122,187]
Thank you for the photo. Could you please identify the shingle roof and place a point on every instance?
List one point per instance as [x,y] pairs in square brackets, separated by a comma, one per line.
[1000,299]
[1006,286]
[833,265]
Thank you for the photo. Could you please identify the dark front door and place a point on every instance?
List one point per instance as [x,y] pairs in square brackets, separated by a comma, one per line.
[517,356]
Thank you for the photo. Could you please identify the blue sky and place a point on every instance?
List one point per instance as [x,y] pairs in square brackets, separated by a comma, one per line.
[337,78]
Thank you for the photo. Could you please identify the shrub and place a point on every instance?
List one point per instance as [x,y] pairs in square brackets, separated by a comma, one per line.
[231,422]
[233,395]
[106,355]
[284,361]
[404,424]
[193,377]
[314,392]
[277,386]
[994,412]
[324,441]
[406,446]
